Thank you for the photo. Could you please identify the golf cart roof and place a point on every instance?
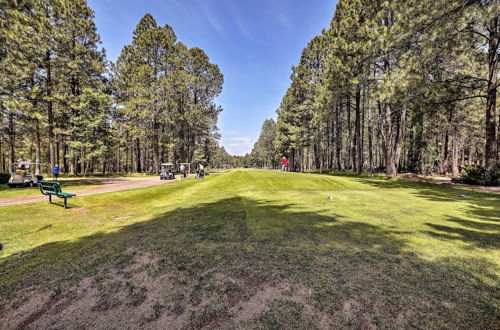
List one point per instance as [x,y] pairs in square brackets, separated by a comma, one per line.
[167,164]
[185,163]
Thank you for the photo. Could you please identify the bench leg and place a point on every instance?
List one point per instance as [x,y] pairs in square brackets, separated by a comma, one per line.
[65,205]
[50,199]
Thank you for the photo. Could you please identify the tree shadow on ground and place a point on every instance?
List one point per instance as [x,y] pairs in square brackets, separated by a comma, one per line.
[478,238]
[320,271]
[483,207]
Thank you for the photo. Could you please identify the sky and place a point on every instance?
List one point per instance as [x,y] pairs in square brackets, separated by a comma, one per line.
[254,42]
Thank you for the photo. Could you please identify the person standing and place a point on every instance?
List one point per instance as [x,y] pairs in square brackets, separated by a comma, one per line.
[183,170]
[55,172]
[23,164]
[284,164]
[201,172]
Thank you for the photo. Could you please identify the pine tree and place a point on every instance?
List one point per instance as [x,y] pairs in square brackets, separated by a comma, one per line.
[167,91]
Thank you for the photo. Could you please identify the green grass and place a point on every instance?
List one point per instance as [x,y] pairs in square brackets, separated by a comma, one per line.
[267,250]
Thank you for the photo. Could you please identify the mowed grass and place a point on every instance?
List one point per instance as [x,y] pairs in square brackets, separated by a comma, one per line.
[256,249]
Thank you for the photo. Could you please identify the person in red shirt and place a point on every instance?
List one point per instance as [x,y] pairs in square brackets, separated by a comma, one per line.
[284,164]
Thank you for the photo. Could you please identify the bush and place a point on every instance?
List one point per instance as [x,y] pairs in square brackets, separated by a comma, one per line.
[4,177]
[496,176]
[475,175]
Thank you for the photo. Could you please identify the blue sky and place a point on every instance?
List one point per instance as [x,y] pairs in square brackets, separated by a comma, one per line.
[254,42]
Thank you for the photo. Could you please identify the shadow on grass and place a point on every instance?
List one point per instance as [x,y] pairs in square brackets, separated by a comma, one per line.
[357,275]
[483,207]
[478,238]
[437,192]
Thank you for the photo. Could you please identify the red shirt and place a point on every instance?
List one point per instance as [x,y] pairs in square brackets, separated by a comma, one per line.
[284,162]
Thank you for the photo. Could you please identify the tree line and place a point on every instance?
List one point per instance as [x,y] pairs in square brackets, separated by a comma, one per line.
[394,86]
[62,102]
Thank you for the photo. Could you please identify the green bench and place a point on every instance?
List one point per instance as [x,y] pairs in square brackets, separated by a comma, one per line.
[50,188]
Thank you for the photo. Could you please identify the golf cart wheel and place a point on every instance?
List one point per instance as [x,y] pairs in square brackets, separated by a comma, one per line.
[31,184]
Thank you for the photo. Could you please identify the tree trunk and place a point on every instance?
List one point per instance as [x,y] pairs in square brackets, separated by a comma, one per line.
[118,160]
[351,161]
[50,113]
[454,155]
[446,148]
[74,161]
[416,161]
[127,153]
[338,136]
[490,152]
[12,136]
[357,132]
[64,158]
[58,146]
[363,126]
[390,159]
[38,148]
[2,165]
[400,137]
[138,155]
[370,139]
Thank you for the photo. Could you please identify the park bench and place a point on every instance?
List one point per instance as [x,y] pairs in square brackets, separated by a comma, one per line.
[54,188]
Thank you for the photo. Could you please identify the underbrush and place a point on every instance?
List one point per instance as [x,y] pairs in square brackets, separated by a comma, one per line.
[475,175]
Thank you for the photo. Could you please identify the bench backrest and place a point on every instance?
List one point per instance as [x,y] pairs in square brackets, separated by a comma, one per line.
[48,187]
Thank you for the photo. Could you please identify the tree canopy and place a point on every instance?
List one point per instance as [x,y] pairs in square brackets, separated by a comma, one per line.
[62,102]
[396,86]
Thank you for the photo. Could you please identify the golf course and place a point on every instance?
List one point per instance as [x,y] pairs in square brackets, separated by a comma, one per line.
[255,249]
[271,165]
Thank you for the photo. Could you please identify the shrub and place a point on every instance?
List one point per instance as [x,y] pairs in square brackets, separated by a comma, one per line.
[496,175]
[475,175]
[4,177]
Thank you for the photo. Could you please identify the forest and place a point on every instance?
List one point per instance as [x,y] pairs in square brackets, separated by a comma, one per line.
[63,102]
[393,86]
[390,86]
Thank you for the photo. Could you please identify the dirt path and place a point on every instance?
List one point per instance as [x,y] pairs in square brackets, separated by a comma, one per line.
[101,186]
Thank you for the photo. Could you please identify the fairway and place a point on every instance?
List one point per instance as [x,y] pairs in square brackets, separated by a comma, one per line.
[255,249]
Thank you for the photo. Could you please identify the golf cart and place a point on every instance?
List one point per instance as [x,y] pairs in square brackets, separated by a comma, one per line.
[167,171]
[23,176]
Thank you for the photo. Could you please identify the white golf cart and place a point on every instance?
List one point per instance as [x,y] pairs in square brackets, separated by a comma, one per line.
[24,175]
[167,171]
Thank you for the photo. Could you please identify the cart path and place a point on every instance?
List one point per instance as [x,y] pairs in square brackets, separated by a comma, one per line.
[104,185]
